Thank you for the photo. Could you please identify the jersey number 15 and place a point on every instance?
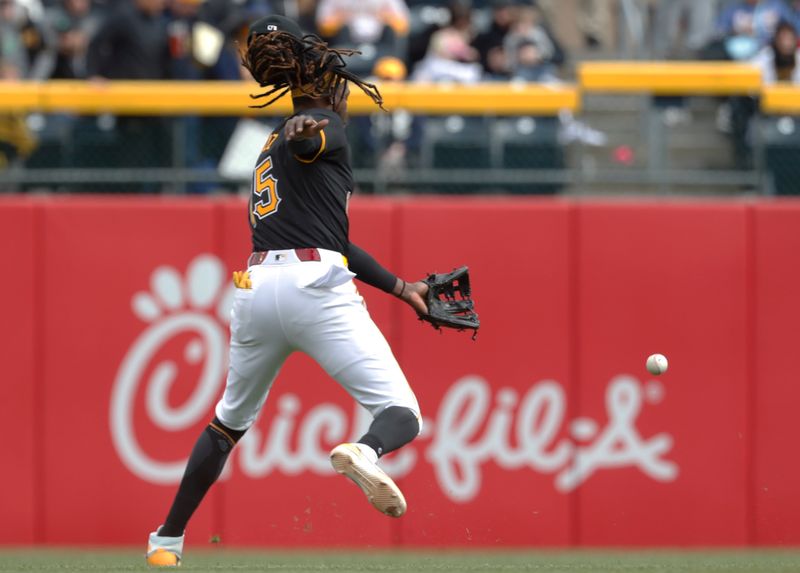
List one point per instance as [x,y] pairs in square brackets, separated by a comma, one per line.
[265,188]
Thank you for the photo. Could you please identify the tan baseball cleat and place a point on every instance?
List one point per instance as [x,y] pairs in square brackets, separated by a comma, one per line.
[381,491]
[164,551]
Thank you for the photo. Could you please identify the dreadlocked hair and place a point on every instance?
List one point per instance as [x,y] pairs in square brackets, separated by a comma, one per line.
[305,66]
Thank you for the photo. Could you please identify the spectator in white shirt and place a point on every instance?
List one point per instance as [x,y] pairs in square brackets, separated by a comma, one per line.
[365,20]
[778,61]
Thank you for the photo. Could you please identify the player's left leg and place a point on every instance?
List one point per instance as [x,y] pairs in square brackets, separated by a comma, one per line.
[208,457]
[204,467]
[258,349]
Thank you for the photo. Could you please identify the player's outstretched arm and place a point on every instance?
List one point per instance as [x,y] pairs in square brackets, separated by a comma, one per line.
[311,136]
[413,294]
[302,127]
[370,271]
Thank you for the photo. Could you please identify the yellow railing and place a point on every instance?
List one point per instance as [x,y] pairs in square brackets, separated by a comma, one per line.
[670,78]
[233,98]
[781,99]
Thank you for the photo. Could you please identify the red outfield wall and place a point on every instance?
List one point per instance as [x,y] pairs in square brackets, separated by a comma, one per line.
[546,431]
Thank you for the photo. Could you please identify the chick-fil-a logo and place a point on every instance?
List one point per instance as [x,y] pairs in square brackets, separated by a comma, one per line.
[535,421]
[475,423]
[198,305]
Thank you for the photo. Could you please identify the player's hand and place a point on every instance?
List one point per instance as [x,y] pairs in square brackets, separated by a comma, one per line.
[303,127]
[414,295]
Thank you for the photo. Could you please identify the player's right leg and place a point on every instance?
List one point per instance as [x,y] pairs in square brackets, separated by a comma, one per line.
[390,430]
[377,382]
[344,340]
[258,349]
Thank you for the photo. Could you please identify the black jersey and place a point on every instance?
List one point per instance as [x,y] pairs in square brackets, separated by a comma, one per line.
[300,190]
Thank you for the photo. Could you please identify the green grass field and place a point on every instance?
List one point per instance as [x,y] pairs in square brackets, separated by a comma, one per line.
[551,562]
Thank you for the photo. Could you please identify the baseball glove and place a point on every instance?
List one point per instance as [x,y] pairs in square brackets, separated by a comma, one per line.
[449,302]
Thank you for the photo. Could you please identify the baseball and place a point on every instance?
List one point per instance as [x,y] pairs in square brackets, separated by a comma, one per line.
[657,364]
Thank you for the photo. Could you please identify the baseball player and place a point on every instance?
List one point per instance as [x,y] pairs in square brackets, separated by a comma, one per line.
[298,292]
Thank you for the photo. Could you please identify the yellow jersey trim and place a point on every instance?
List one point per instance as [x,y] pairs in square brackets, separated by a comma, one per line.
[319,152]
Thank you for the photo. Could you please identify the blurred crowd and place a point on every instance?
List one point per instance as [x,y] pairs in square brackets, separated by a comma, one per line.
[450,40]
[417,40]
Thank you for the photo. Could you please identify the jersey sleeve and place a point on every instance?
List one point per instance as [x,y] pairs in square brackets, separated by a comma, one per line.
[330,139]
[368,270]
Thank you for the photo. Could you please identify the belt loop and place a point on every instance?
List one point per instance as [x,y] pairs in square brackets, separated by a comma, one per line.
[257,258]
[306,255]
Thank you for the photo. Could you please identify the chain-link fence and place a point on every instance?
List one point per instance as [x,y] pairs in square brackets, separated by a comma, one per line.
[614,143]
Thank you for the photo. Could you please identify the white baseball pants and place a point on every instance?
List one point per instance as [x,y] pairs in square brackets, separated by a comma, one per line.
[311,307]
